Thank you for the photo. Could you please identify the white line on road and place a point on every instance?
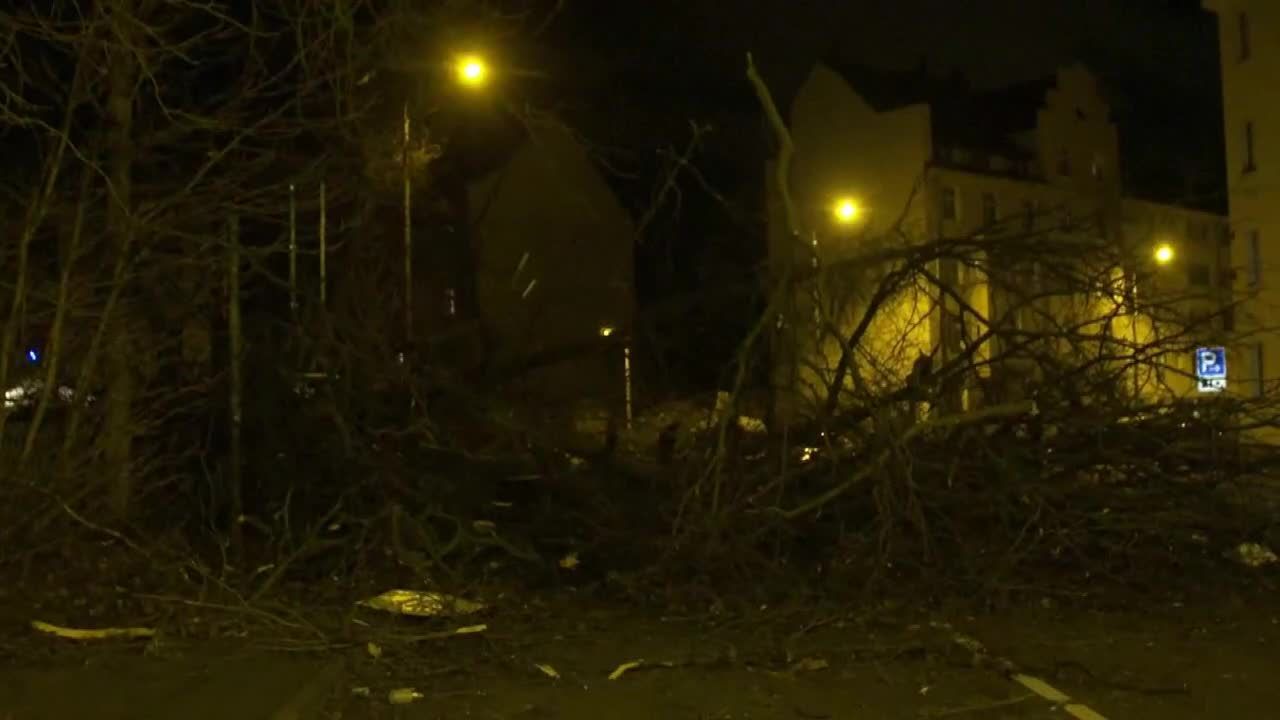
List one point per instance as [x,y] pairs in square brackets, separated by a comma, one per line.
[1030,682]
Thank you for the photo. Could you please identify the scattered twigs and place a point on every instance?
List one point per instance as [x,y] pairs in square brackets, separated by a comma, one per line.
[310,544]
[947,422]
[297,624]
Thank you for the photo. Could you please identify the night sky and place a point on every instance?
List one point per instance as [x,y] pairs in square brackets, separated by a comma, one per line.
[630,75]
[1157,58]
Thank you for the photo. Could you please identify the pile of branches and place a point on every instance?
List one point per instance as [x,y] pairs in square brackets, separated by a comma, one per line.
[1011,499]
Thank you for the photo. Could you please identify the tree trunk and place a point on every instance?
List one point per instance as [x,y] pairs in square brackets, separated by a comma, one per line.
[121,381]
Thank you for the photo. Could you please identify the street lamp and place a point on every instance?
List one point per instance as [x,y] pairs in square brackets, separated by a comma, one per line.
[470,70]
[846,211]
[1163,254]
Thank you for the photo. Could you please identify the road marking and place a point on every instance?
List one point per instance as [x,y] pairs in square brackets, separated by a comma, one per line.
[1082,712]
[1050,693]
[1042,688]
[1057,697]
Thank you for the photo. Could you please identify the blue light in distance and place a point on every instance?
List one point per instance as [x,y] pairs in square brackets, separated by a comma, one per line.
[33,355]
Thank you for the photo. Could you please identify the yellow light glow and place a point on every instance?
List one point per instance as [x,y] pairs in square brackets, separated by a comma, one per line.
[847,211]
[1164,253]
[471,70]
[606,331]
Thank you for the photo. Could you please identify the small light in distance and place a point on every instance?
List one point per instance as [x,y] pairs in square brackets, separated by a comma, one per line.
[33,355]
[606,331]
[1164,253]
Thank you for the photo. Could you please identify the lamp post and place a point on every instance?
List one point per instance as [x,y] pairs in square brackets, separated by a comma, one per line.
[470,71]
[608,331]
[1162,255]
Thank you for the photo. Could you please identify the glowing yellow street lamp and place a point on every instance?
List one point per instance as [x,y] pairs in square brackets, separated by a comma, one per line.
[846,211]
[471,71]
[1163,254]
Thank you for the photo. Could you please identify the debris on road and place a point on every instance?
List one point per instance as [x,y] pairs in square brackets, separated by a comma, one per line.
[624,668]
[468,630]
[130,633]
[1255,555]
[548,671]
[404,696]
[422,603]
[810,665]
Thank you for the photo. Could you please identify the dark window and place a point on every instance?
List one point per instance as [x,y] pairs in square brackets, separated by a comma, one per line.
[1259,371]
[1249,161]
[1029,214]
[1246,46]
[948,203]
[1255,258]
[1229,318]
[1064,164]
[1198,274]
[989,212]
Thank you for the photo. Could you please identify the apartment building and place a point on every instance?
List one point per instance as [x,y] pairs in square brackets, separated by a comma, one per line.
[908,158]
[1249,48]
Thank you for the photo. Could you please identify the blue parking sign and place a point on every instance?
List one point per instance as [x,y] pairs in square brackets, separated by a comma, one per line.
[1211,369]
[1211,363]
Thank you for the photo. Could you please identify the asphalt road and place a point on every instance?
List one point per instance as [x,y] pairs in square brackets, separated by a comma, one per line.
[1153,663]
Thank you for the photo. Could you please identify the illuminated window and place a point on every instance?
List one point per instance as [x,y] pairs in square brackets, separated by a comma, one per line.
[949,203]
[1249,161]
[1255,258]
[1246,47]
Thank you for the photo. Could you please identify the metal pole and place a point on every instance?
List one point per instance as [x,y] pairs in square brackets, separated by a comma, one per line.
[1133,330]
[324,248]
[408,233]
[626,379]
[236,349]
[293,248]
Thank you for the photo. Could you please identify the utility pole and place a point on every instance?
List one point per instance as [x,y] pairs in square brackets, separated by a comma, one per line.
[324,248]
[408,231]
[236,350]
[293,249]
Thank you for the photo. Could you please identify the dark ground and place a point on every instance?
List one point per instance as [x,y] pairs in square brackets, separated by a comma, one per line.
[1158,660]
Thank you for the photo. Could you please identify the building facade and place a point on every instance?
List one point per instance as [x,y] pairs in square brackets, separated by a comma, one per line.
[887,163]
[554,252]
[1249,48]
